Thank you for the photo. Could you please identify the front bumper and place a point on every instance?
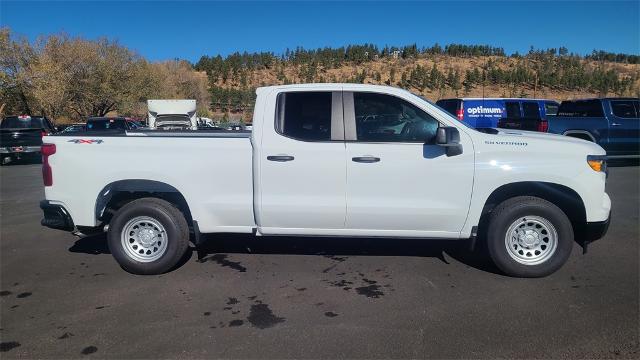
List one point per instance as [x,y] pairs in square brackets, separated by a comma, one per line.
[56,216]
[20,149]
[597,229]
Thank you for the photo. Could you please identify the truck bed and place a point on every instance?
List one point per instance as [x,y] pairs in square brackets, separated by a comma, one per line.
[211,169]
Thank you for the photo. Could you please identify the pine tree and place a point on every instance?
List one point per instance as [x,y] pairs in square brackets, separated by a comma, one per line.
[434,77]
[456,85]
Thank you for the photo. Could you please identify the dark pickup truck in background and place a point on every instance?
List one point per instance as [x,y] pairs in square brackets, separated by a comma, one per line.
[21,136]
[613,123]
[110,123]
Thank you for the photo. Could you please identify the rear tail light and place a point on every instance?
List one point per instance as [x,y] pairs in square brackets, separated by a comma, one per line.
[43,133]
[460,114]
[47,150]
[543,126]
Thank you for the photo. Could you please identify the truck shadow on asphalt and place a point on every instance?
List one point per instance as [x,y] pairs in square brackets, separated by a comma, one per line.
[216,246]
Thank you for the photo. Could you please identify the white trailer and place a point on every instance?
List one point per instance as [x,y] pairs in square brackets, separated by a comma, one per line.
[172,114]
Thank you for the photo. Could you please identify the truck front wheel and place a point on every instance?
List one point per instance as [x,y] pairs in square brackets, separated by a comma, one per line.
[148,236]
[529,237]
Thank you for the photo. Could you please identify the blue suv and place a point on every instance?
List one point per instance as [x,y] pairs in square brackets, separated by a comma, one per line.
[487,112]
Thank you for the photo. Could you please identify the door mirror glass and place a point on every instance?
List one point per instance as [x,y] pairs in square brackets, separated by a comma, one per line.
[449,137]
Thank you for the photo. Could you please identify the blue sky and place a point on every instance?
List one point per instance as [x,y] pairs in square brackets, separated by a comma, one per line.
[162,30]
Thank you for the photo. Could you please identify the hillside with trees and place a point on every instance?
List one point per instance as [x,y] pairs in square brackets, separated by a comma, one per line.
[433,72]
[69,78]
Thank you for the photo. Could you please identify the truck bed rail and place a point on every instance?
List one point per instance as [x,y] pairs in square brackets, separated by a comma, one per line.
[163,133]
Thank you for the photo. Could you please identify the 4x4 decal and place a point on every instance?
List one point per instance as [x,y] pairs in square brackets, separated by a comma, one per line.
[86,141]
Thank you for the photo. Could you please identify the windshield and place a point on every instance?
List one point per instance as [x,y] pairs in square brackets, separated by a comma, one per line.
[167,118]
[22,122]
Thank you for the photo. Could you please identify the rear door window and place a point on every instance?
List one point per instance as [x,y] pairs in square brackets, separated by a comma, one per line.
[531,110]
[625,108]
[513,109]
[305,115]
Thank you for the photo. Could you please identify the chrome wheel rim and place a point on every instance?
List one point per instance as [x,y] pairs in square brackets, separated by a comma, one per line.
[531,240]
[144,239]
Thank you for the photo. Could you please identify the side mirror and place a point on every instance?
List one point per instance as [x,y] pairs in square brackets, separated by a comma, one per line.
[449,137]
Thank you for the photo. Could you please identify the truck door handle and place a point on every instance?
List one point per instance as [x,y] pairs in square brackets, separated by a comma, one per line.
[615,124]
[365,159]
[280,158]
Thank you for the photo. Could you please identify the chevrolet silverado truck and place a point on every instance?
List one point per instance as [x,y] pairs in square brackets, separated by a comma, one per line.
[322,160]
[21,136]
[613,123]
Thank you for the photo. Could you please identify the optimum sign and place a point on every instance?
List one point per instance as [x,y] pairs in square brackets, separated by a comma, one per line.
[478,111]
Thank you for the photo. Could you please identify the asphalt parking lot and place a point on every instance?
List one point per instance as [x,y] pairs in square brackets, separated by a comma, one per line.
[245,297]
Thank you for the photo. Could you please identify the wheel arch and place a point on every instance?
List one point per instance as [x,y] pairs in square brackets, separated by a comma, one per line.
[580,134]
[567,199]
[118,193]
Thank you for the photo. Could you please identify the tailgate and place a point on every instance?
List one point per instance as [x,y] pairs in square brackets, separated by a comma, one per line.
[20,137]
[519,124]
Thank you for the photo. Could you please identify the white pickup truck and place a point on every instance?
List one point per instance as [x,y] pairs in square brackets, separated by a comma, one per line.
[331,160]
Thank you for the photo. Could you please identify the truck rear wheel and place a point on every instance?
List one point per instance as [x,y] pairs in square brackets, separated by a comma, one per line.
[148,236]
[529,237]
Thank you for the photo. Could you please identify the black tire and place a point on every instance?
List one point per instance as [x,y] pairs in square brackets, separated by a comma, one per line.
[174,223]
[517,209]
[5,160]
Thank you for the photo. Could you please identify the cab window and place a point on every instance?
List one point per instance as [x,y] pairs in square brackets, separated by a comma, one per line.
[581,108]
[551,108]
